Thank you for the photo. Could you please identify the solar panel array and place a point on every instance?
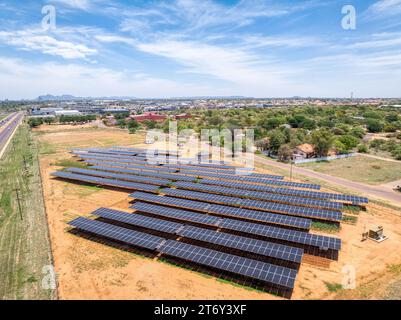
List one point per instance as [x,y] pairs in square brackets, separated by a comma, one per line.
[286,191]
[223,261]
[106,182]
[254,269]
[211,205]
[259,247]
[125,177]
[246,214]
[271,232]
[251,179]
[313,213]
[258,195]
[131,237]
[170,176]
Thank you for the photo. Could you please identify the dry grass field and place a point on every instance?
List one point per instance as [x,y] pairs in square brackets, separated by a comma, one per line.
[360,169]
[91,270]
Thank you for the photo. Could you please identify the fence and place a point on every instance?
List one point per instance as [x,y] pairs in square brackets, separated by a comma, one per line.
[340,156]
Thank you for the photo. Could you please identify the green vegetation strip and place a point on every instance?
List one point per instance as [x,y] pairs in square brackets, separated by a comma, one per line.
[24,240]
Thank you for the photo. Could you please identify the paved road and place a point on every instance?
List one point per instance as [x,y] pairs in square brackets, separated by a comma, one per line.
[384,192]
[7,129]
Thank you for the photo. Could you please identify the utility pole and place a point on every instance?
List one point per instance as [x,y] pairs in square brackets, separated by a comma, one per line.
[25,164]
[292,162]
[19,203]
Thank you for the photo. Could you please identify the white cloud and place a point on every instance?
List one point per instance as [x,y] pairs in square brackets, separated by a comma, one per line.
[39,78]
[384,8]
[37,40]
[77,4]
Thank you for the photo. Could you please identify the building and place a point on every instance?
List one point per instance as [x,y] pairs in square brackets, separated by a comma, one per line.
[183,116]
[149,116]
[44,111]
[304,151]
[67,113]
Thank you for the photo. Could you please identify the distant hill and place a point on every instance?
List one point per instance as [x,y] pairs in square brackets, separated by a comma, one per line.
[68,97]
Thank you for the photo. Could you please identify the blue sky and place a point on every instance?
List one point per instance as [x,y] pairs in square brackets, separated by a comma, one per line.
[259,48]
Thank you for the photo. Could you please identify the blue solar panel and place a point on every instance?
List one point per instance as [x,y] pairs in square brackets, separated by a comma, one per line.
[250,179]
[257,195]
[226,240]
[238,265]
[135,238]
[176,214]
[259,247]
[291,236]
[225,210]
[106,182]
[138,220]
[321,242]
[124,177]
[312,213]
[285,191]
[170,176]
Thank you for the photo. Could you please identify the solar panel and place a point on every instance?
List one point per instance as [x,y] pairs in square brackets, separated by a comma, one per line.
[176,214]
[138,220]
[259,247]
[235,225]
[238,171]
[170,176]
[106,182]
[112,159]
[250,179]
[262,271]
[300,237]
[294,192]
[120,167]
[125,177]
[225,210]
[130,237]
[257,195]
[312,213]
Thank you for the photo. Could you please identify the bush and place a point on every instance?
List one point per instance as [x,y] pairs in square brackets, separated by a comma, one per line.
[390,128]
[374,126]
[362,148]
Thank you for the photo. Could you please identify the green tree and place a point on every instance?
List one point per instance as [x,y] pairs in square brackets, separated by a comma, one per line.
[284,153]
[277,139]
[374,125]
[323,141]
[350,142]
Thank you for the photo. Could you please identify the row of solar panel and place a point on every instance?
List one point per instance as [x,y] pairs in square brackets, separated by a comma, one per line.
[321,214]
[286,191]
[106,182]
[139,167]
[316,195]
[221,210]
[124,177]
[312,213]
[189,167]
[276,233]
[170,176]
[211,258]
[263,248]
[240,186]
[182,172]
[258,195]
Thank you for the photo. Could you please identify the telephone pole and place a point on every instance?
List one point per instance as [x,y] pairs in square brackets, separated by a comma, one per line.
[19,203]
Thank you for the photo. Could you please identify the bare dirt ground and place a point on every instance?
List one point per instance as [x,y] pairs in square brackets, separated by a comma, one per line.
[90,270]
